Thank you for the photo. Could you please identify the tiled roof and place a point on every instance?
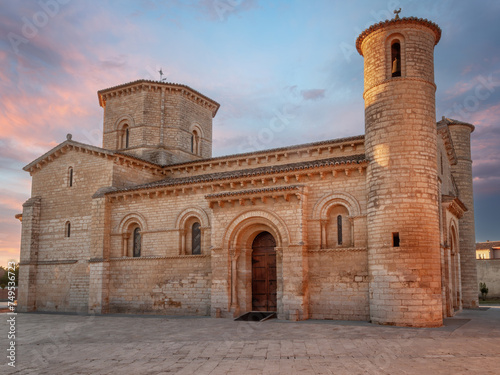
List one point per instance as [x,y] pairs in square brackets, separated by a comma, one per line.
[271,150]
[450,121]
[253,191]
[86,147]
[401,21]
[487,245]
[139,81]
[354,159]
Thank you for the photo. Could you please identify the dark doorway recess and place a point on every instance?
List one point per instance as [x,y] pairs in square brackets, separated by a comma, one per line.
[264,284]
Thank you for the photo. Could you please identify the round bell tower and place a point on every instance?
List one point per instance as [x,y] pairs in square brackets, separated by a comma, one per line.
[402,176]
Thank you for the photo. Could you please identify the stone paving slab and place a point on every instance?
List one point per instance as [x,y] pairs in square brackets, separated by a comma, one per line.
[469,343]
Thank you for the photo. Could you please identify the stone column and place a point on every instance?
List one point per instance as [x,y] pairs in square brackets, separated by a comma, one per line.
[234,281]
[125,237]
[182,234]
[323,233]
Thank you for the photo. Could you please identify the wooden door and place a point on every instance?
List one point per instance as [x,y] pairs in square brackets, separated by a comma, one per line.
[264,285]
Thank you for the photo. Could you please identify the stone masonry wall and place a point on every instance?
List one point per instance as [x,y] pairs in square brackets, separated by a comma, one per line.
[488,272]
[338,284]
[171,286]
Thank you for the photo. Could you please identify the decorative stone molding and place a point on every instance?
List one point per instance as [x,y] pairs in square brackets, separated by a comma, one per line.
[321,207]
[155,86]
[338,250]
[454,205]
[244,197]
[160,257]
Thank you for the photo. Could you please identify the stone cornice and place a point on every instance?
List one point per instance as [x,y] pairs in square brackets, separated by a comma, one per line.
[235,180]
[338,250]
[242,197]
[444,132]
[263,156]
[147,85]
[454,205]
[405,21]
[70,145]
[159,257]
[452,122]
[49,262]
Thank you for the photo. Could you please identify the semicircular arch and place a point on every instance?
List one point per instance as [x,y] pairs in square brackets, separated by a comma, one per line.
[129,120]
[190,212]
[130,219]
[321,208]
[259,220]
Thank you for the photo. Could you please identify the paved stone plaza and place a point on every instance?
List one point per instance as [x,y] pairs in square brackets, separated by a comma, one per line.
[469,343]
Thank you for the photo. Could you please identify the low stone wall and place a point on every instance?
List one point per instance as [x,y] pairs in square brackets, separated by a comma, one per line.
[488,271]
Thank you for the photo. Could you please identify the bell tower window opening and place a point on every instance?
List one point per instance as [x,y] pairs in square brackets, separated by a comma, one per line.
[195,142]
[124,137]
[396,58]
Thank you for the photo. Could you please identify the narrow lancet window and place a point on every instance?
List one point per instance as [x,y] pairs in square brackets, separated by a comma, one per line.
[339,229]
[196,239]
[137,242]
[396,59]
[70,177]
[67,229]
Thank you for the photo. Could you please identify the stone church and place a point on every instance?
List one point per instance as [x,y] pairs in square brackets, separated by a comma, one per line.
[376,227]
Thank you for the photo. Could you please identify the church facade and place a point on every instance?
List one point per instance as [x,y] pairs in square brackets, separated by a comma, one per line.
[376,227]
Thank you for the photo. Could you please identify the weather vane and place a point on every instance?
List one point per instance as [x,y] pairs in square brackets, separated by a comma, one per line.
[161,75]
[396,12]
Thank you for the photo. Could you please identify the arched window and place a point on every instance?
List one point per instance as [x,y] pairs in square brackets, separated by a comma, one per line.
[67,229]
[137,242]
[195,142]
[196,239]
[124,136]
[396,58]
[339,229]
[70,177]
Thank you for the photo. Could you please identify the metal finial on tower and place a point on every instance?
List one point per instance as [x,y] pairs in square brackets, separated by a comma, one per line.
[396,12]
[161,75]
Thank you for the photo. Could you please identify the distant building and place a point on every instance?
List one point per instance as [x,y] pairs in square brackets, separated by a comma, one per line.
[375,227]
[488,250]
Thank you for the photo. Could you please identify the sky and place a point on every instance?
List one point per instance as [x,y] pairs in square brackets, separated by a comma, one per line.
[285,72]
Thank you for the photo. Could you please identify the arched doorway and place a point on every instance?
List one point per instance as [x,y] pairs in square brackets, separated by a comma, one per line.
[264,281]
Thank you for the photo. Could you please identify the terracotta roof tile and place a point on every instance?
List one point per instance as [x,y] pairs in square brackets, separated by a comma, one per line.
[487,245]
[271,150]
[253,191]
[354,159]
